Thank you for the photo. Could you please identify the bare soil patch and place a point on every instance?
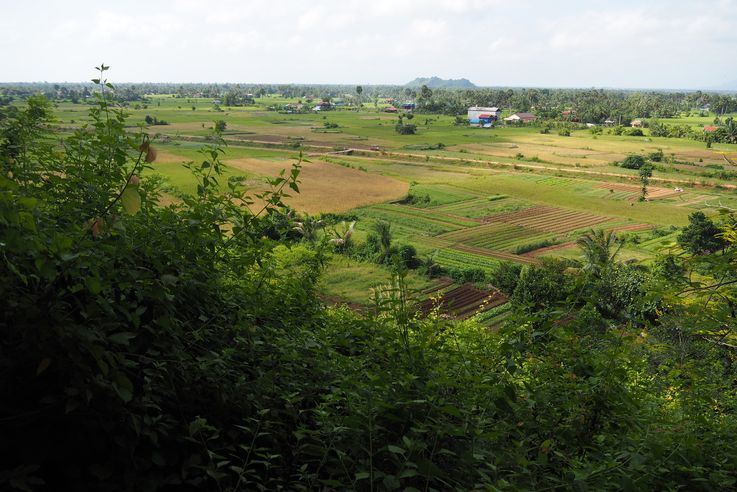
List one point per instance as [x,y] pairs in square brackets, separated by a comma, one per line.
[328,187]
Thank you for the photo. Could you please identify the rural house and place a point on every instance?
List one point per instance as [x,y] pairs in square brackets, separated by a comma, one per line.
[483,116]
[520,118]
[636,124]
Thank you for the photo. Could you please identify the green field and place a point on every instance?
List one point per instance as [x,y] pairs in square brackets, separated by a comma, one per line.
[478,196]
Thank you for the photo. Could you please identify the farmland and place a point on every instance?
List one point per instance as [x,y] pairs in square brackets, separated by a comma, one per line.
[466,197]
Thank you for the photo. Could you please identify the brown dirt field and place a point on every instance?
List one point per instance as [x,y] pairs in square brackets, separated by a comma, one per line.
[328,187]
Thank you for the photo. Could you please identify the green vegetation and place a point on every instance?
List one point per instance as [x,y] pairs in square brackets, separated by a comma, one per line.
[155,340]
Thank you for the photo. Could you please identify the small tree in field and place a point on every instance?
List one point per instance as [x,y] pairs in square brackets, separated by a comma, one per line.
[701,236]
[220,125]
[646,173]
[405,128]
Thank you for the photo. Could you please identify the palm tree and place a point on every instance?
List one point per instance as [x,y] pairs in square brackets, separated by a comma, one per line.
[308,228]
[342,237]
[646,173]
[384,233]
[599,249]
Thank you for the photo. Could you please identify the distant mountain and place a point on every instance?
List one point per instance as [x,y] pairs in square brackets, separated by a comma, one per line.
[438,83]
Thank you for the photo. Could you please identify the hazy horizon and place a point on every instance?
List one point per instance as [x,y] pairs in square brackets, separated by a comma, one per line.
[677,45]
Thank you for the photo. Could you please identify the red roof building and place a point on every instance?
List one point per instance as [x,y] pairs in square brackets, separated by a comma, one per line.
[710,129]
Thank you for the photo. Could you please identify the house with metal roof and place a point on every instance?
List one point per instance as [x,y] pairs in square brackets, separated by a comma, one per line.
[483,116]
[520,118]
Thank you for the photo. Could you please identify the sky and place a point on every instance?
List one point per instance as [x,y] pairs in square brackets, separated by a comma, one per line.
[682,44]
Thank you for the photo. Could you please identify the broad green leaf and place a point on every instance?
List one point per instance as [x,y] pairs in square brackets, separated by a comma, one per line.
[43,365]
[395,449]
[131,200]
[123,386]
[122,338]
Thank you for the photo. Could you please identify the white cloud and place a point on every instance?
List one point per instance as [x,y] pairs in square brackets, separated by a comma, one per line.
[428,28]
[491,42]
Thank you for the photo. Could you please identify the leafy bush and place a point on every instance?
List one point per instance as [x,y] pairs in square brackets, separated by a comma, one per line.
[526,248]
[656,156]
[405,128]
[633,162]
[185,348]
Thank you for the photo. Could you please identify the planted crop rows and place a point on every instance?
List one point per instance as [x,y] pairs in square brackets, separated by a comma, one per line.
[549,219]
[463,301]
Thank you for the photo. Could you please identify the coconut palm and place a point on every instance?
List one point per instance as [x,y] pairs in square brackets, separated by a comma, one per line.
[308,227]
[384,234]
[599,249]
[342,236]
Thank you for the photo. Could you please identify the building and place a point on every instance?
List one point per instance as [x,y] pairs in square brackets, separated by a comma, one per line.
[569,114]
[483,116]
[323,106]
[408,106]
[520,118]
[636,124]
[390,109]
[710,129]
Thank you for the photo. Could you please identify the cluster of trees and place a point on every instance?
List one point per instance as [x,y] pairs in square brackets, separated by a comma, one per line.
[153,120]
[185,347]
[725,133]
[237,98]
[405,128]
[589,105]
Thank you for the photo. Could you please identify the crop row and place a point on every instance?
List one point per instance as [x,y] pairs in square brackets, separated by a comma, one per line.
[500,255]
[550,219]
[466,205]
[480,210]
[419,225]
[462,259]
[504,238]
[430,214]
[426,215]
[462,301]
